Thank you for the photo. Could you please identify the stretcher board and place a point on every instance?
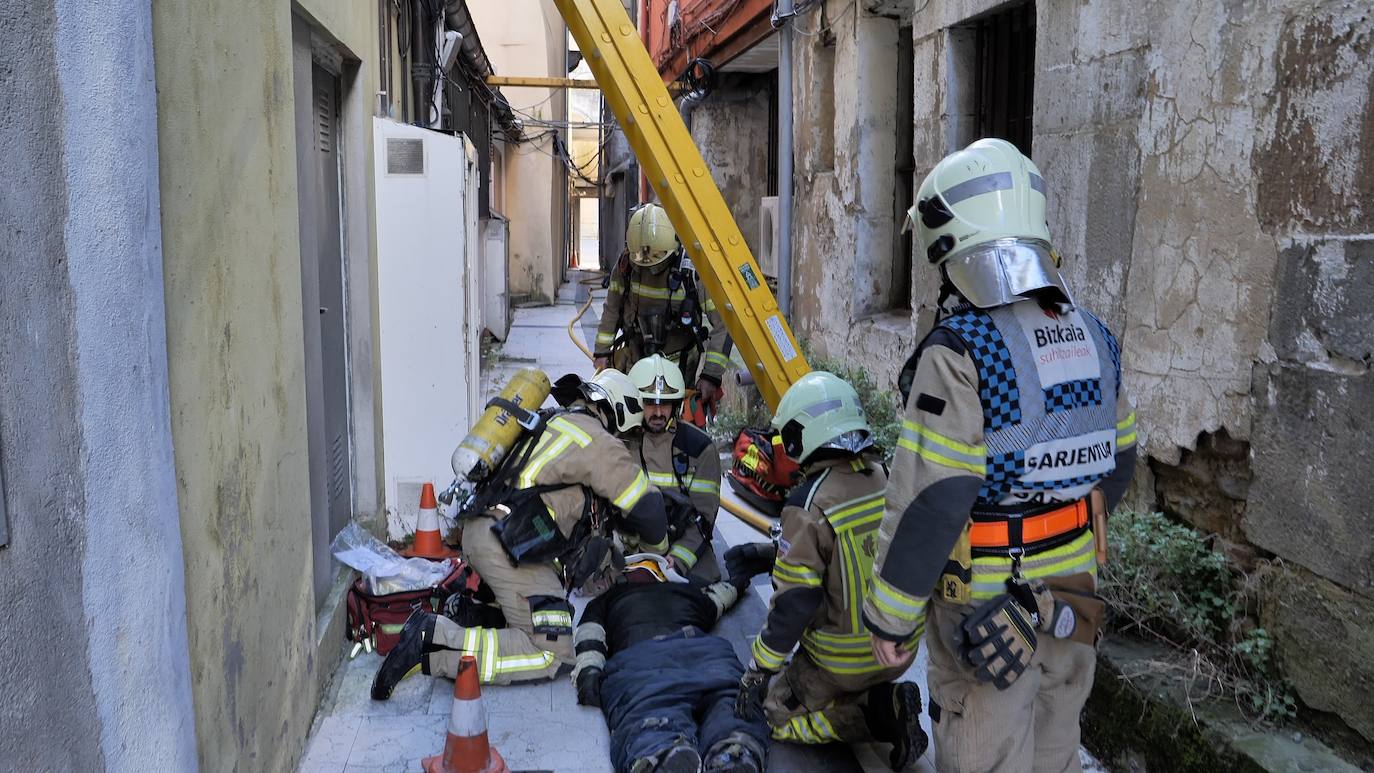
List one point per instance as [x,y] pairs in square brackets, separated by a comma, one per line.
[742,510]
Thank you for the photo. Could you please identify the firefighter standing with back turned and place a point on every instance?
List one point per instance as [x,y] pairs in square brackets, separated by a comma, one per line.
[568,471]
[682,462]
[833,689]
[1017,439]
[655,305]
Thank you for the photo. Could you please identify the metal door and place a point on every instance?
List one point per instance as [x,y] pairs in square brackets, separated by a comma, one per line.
[333,317]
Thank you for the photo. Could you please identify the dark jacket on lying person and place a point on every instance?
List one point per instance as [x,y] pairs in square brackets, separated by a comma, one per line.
[666,687]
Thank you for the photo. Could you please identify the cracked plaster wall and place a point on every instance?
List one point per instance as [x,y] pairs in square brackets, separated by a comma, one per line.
[1203,162]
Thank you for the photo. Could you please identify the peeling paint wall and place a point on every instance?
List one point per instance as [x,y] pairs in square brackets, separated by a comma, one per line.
[226,132]
[527,38]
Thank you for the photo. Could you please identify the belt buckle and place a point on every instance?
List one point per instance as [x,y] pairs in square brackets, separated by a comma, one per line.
[1015,553]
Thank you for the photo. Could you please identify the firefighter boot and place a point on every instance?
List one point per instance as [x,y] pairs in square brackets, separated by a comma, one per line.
[742,562]
[735,753]
[677,759]
[407,657]
[893,712]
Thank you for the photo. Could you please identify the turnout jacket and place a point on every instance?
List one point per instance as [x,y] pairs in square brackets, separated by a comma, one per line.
[684,459]
[630,613]
[637,294]
[825,559]
[574,451]
[1009,409]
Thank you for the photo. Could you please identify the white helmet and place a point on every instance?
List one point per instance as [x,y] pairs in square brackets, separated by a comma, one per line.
[980,215]
[614,393]
[658,380]
[650,237]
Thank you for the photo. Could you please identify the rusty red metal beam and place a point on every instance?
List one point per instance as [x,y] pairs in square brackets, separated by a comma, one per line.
[718,30]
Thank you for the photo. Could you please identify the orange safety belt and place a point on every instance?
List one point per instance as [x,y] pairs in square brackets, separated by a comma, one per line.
[1034,528]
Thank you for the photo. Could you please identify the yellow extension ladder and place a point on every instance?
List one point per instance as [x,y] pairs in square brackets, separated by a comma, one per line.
[632,87]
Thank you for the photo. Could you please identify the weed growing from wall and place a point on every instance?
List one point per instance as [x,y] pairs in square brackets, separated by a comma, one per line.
[1165,583]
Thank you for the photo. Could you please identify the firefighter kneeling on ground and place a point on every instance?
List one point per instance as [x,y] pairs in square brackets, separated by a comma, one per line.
[655,305]
[570,471]
[682,462]
[833,689]
[1017,439]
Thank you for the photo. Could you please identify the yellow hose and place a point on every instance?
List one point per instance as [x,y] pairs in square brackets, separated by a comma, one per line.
[576,339]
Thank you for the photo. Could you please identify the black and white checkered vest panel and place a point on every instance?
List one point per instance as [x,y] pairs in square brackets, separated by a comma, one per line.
[1048,383]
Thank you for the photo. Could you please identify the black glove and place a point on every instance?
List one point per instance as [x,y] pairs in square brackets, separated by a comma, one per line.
[742,562]
[753,687]
[589,687]
[998,641]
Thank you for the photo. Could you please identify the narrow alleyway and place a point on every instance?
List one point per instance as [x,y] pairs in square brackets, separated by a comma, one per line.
[540,727]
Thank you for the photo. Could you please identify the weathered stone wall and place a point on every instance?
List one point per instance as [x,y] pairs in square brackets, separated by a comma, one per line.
[1208,179]
[1203,162]
[731,129]
[843,223]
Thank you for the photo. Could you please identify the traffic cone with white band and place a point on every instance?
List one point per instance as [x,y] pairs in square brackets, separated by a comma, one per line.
[466,750]
[428,542]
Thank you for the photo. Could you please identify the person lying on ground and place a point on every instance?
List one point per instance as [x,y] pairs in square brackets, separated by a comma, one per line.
[666,686]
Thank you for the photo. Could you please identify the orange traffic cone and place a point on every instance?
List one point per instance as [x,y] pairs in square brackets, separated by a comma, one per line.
[466,749]
[428,543]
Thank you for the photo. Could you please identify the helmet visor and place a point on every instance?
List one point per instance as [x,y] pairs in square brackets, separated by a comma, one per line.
[1003,271]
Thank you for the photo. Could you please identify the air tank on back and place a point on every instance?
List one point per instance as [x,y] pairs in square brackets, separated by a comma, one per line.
[492,437]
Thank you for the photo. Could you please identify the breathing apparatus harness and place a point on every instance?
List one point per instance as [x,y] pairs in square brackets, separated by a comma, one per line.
[527,530]
[688,314]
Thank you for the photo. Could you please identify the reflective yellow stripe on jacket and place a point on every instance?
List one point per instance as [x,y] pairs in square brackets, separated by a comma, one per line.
[853,522]
[1125,432]
[848,653]
[990,573]
[557,437]
[633,493]
[938,449]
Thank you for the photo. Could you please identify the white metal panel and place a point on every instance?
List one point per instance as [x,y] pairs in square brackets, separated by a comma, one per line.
[496,277]
[428,347]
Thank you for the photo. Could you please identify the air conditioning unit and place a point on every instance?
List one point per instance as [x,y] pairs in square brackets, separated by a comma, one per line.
[768,236]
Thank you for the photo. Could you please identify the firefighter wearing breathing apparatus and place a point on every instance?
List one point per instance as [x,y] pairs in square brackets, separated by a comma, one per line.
[1017,439]
[833,689]
[536,527]
[682,462]
[656,305]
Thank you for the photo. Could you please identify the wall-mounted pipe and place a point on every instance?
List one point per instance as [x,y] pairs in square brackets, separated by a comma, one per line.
[785,15]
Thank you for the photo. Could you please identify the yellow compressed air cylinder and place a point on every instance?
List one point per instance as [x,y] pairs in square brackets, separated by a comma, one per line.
[492,437]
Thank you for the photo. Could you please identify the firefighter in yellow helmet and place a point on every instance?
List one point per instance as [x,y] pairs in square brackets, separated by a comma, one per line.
[682,461]
[655,305]
[833,688]
[1017,438]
